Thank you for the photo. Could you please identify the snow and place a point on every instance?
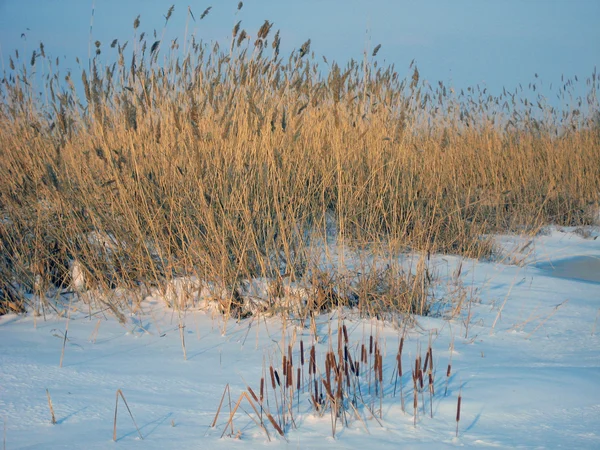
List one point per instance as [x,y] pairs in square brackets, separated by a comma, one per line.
[527,368]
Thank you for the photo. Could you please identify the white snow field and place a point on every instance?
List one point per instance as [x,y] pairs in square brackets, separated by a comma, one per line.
[527,368]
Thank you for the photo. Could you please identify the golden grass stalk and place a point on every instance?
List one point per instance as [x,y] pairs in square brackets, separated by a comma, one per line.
[52,416]
[214,422]
[120,393]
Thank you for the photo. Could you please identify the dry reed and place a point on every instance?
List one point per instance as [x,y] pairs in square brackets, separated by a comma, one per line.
[238,164]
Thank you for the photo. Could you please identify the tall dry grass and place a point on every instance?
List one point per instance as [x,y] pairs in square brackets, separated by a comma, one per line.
[229,164]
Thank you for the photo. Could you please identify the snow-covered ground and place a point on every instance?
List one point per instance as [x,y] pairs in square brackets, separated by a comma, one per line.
[527,367]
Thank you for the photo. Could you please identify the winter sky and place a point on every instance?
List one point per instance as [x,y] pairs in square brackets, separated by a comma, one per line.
[497,43]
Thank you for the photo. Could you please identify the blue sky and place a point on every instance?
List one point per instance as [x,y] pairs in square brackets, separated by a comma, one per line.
[461,42]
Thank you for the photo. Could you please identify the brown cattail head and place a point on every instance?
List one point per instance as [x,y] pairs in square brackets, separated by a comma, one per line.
[363,354]
[272,377]
[345,334]
[334,362]
[458,407]
[430,358]
[327,385]
[371,345]
[290,375]
[426,362]
[298,379]
[252,394]
[262,389]
[277,378]
[357,368]
[449,371]
[284,365]
[399,361]
[380,366]
[302,353]
[313,361]
[290,359]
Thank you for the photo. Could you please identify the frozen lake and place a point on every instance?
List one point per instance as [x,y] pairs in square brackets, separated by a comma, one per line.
[586,268]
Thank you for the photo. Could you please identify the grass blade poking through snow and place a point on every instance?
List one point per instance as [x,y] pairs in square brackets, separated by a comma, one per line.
[52,416]
[120,392]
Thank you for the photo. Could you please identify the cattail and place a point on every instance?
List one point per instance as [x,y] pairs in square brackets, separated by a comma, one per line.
[290,355]
[399,361]
[371,345]
[448,373]
[284,365]
[363,354]
[328,367]
[430,358]
[262,389]
[302,353]
[290,375]
[313,361]
[298,379]
[380,367]
[345,330]
[458,411]
[272,377]
[277,378]
[252,394]
[357,368]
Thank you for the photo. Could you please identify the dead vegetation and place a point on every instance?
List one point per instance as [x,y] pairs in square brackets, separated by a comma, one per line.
[231,164]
